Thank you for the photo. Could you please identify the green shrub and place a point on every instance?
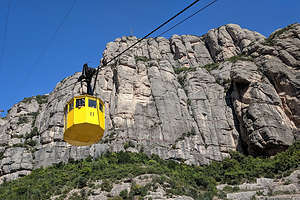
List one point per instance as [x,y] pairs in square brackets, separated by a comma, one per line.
[222,195]
[34,132]
[34,116]
[141,58]
[189,102]
[22,120]
[17,136]
[128,144]
[280,31]
[41,99]
[124,194]
[234,59]
[81,181]
[210,67]
[181,80]
[27,99]
[20,145]
[270,40]
[188,134]
[31,143]
[137,190]
[106,185]
[230,189]
[197,182]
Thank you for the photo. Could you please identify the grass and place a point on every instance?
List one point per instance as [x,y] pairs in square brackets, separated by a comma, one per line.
[27,99]
[230,189]
[188,134]
[22,120]
[29,143]
[17,136]
[128,144]
[270,40]
[184,69]
[280,31]
[20,145]
[34,116]
[33,132]
[211,66]
[234,59]
[41,99]
[197,182]
[141,58]
[181,80]
[189,102]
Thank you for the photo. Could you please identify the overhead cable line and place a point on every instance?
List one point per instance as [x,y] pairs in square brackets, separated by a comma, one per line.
[5,32]
[159,27]
[203,8]
[55,33]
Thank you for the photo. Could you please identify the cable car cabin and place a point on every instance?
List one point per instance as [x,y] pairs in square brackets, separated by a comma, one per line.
[84,120]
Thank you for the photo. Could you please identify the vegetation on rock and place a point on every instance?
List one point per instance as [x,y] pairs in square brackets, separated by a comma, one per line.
[270,40]
[184,69]
[188,134]
[177,179]
[211,66]
[141,58]
[22,120]
[234,59]
[41,99]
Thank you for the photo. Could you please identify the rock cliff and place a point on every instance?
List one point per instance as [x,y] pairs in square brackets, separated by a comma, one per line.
[187,98]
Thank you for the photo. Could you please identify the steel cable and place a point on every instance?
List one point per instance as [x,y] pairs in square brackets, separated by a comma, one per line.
[160,26]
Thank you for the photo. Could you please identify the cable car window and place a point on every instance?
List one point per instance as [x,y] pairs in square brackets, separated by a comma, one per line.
[80,102]
[71,106]
[101,106]
[92,103]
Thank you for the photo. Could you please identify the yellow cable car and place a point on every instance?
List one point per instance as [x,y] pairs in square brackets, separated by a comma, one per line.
[84,120]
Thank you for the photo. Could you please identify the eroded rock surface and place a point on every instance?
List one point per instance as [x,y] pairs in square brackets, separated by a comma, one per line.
[187,98]
[264,189]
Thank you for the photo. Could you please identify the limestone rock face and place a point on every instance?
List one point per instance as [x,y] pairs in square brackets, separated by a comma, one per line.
[187,98]
[265,189]
[262,120]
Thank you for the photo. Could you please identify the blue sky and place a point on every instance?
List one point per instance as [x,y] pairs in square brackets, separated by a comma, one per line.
[32,61]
